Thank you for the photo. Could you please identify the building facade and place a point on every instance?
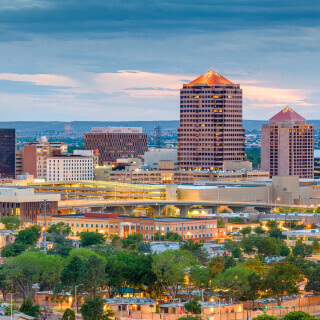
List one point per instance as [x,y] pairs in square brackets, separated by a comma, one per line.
[113,143]
[8,153]
[122,226]
[287,145]
[211,130]
[317,164]
[69,168]
[26,204]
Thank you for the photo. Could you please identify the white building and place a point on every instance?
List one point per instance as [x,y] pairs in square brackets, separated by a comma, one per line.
[67,168]
[154,155]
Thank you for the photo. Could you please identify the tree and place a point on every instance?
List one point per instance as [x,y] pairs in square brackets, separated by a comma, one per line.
[171,267]
[306,267]
[29,308]
[259,230]
[298,315]
[28,236]
[92,274]
[69,314]
[265,317]
[5,286]
[255,264]
[302,251]
[70,275]
[313,283]
[196,249]
[215,266]
[281,280]
[11,223]
[198,279]
[237,220]
[194,306]
[94,309]
[59,228]
[32,267]
[276,233]
[233,283]
[237,253]
[255,285]
[89,238]
[284,251]
[245,231]
[12,249]
[315,245]
[132,242]
[317,209]
[60,295]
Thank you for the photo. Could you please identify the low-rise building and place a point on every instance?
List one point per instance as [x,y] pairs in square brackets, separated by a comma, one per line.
[122,226]
[307,236]
[25,204]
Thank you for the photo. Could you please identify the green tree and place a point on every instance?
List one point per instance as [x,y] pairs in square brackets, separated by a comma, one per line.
[198,279]
[259,230]
[315,245]
[70,275]
[265,317]
[306,267]
[132,242]
[60,228]
[233,283]
[5,286]
[302,250]
[69,314]
[28,236]
[12,249]
[282,279]
[94,309]
[255,285]
[215,266]
[313,283]
[194,306]
[89,238]
[254,155]
[92,274]
[237,253]
[298,315]
[317,209]
[197,250]
[171,267]
[229,262]
[237,220]
[284,251]
[29,308]
[188,317]
[245,231]
[11,223]
[276,233]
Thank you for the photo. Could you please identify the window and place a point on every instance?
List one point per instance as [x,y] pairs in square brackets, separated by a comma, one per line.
[111,226]
[151,228]
[116,226]
[72,224]
[91,225]
[82,225]
[141,227]
[147,228]
[87,225]
[97,226]
[107,226]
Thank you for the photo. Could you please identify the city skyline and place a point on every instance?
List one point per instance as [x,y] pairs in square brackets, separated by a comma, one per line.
[91,61]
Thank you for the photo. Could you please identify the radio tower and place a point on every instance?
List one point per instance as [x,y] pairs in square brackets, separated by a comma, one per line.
[157,129]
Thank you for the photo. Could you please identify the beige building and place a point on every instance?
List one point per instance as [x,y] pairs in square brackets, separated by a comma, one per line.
[287,145]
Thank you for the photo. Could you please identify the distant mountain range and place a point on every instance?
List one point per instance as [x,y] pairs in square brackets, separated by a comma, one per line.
[85,126]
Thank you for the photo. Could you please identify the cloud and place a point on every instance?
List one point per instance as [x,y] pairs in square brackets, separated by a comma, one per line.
[41,79]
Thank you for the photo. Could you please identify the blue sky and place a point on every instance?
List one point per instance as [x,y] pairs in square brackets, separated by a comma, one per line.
[126,60]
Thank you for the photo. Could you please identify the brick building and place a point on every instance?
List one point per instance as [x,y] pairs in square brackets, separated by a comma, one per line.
[114,143]
[287,145]
[210,129]
[113,224]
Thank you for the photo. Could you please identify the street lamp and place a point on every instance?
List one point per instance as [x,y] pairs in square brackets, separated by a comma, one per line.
[11,302]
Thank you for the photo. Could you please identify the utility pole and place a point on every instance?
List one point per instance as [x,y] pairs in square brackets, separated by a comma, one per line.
[44,206]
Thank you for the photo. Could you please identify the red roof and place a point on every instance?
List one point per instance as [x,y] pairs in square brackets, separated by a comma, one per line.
[287,114]
[210,78]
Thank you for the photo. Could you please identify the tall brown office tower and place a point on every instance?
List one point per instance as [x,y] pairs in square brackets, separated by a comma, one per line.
[211,130]
[8,153]
[287,145]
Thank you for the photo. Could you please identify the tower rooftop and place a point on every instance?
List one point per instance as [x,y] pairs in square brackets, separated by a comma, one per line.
[210,78]
[288,114]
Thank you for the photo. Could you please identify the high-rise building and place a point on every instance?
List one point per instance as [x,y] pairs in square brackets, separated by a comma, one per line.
[317,164]
[211,130]
[114,143]
[287,145]
[8,153]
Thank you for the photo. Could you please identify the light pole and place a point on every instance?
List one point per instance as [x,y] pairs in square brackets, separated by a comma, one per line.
[11,302]
[76,297]
[44,206]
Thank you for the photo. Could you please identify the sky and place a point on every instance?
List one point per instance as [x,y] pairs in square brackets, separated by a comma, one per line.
[74,60]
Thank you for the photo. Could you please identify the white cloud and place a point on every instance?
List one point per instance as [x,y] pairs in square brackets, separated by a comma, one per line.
[41,79]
